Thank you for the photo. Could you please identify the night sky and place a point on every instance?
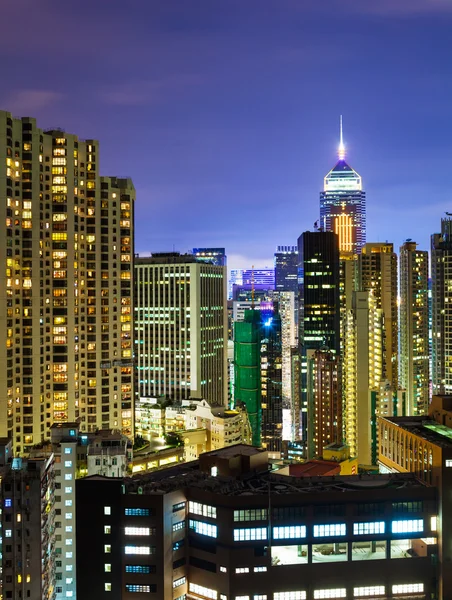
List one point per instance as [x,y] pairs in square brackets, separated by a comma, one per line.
[226,112]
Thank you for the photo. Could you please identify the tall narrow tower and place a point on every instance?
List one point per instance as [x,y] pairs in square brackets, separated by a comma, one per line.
[414,358]
[343,204]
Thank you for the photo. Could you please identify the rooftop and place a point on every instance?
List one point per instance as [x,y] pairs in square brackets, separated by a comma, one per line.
[427,429]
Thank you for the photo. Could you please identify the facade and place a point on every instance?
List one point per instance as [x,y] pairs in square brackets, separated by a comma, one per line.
[181,328]
[414,328]
[286,269]
[423,445]
[213,256]
[377,265]
[441,272]
[227,528]
[324,401]
[66,288]
[343,205]
[318,301]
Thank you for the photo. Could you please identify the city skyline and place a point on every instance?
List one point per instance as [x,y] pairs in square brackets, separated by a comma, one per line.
[212,142]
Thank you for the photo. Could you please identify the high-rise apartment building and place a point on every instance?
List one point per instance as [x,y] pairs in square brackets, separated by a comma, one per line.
[181,328]
[324,401]
[319,311]
[414,328]
[343,204]
[286,269]
[441,271]
[66,290]
[377,266]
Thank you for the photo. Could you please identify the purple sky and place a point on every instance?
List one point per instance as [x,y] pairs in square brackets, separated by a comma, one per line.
[225,112]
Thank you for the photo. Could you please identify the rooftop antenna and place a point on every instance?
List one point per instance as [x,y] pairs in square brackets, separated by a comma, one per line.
[341,149]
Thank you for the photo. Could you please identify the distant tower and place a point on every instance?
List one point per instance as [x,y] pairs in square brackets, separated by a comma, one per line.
[414,341]
[343,204]
[286,269]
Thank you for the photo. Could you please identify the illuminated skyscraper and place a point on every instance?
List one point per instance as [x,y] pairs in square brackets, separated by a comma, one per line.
[414,342]
[213,256]
[286,269]
[66,286]
[377,265]
[441,256]
[343,204]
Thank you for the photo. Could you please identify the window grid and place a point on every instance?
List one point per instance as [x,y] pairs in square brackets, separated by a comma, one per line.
[371,528]
[289,532]
[137,587]
[298,595]
[407,588]
[203,591]
[260,569]
[137,531]
[331,593]
[250,534]
[178,526]
[203,528]
[136,512]
[242,570]
[138,569]
[139,550]
[369,591]
[178,582]
[203,510]
[330,529]
[408,526]
[252,514]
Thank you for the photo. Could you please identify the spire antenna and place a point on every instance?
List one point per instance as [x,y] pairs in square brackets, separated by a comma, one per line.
[341,149]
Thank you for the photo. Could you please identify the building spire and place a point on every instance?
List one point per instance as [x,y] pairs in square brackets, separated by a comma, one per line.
[341,149]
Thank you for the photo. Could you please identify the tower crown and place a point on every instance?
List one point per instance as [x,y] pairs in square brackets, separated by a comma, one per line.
[341,147]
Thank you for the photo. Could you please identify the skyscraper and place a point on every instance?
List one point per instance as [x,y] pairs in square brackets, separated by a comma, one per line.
[286,269]
[66,289]
[414,341]
[213,256]
[441,257]
[319,312]
[377,266]
[343,204]
[181,328]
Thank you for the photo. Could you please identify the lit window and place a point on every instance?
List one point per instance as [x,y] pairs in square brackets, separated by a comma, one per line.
[433,523]
[204,510]
[370,590]
[68,528]
[448,462]
[69,580]
[107,510]
[408,526]
[68,490]
[242,598]
[139,550]
[138,569]
[203,591]
[135,587]
[299,595]
[331,593]
[260,569]
[68,464]
[137,531]
[107,548]
[330,529]
[260,597]
[68,476]
[7,502]
[203,528]
[8,532]
[69,594]
[251,514]
[137,512]
[69,542]
[289,532]
[371,528]
[408,588]
[107,568]
[179,525]
[179,506]
[68,450]
[68,515]
[107,529]
[69,567]
[223,570]
[241,570]
[180,581]
[108,587]
[68,554]
[250,534]
[68,503]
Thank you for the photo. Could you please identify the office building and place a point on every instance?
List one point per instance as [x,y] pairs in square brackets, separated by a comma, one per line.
[414,328]
[318,300]
[181,328]
[422,445]
[289,344]
[212,256]
[208,531]
[286,269]
[343,204]
[66,286]
[377,266]
[243,281]
[324,395]
[441,272]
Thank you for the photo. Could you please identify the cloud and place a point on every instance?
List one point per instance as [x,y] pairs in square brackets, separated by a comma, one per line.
[240,261]
[141,93]
[28,102]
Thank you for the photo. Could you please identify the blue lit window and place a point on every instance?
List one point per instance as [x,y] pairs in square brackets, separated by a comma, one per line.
[138,569]
[68,450]
[178,582]
[330,529]
[137,587]
[374,527]
[7,502]
[72,432]
[247,534]
[408,526]
[289,532]
[178,526]
[203,528]
[136,512]
[177,545]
